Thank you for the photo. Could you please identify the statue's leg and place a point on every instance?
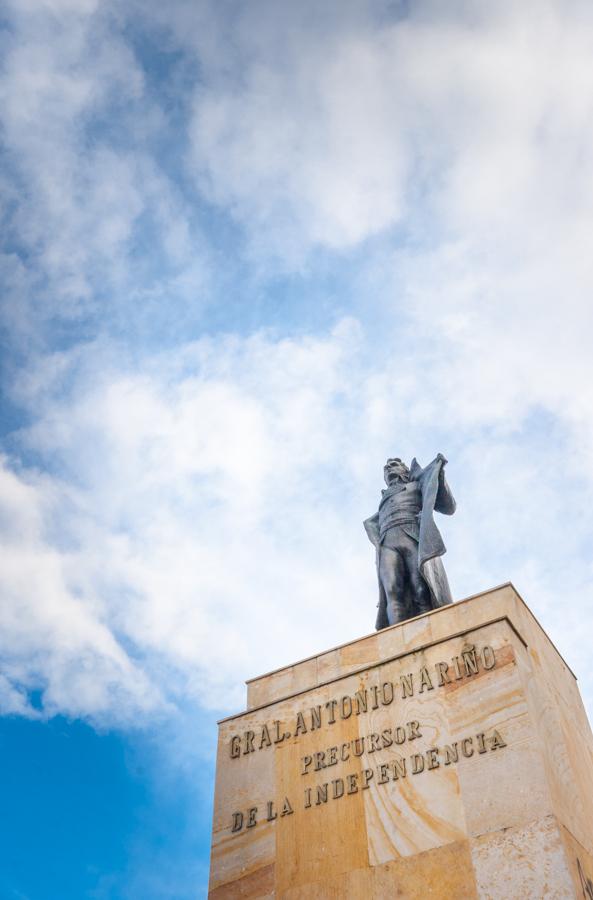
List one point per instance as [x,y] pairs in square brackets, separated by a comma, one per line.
[419,588]
[392,571]
[420,591]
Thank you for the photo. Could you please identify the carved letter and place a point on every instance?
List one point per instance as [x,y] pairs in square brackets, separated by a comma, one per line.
[331,706]
[443,673]
[470,660]
[417,763]
[386,738]
[425,681]
[277,738]
[374,743]
[383,776]
[235,746]
[346,707]
[374,692]
[358,746]
[466,747]
[315,717]
[367,774]
[399,769]
[319,761]
[286,808]
[265,738]
[488,658]
[451,753]
[360,698]
[399,735]
[496,741]
[237,821]
[300,725]
[271,814]
[306,761]
[351,782]
[407,683]
[337,788]
[321,794]
[387,693]
[413,730]
[431,758]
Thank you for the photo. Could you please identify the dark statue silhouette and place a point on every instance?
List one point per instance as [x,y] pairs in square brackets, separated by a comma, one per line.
[409,546]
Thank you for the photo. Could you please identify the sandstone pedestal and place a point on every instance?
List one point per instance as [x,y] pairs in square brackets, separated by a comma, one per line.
[448,757]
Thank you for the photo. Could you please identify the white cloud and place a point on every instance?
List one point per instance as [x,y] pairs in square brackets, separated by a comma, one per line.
[452,116]
[199,518]
[84,187]
[178,526]
[203,521]
[54,635]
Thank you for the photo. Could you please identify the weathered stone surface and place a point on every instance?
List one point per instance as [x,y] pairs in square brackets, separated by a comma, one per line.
[448,756]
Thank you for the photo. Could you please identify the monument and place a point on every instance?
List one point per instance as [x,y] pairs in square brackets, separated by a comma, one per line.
[446,755]
[409,547]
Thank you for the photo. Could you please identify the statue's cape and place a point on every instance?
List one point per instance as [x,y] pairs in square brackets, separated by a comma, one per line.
[436,495]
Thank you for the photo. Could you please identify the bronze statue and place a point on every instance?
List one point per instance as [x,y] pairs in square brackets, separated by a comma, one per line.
[409,546]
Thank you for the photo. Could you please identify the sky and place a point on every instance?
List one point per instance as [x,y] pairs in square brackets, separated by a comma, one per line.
[249,251]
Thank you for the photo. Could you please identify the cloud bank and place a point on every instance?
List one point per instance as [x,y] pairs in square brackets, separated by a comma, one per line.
[187,463]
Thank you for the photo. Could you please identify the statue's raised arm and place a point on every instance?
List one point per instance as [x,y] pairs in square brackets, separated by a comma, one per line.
[444,501]
[408,544]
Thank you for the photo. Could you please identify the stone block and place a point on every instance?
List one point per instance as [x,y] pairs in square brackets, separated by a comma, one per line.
[449,756]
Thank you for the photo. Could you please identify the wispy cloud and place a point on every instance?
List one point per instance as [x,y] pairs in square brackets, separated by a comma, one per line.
[178,517]
[202,518]
[96,229]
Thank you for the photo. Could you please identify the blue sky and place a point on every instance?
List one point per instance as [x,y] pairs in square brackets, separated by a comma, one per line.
[248,251]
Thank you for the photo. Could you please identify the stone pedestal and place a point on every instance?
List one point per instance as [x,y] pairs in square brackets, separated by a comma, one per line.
[448,757]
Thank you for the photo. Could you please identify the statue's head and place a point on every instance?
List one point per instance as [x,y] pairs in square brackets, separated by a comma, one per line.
[395,470]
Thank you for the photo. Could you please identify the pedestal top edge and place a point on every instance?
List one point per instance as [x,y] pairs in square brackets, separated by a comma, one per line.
[381,662]
[433,612]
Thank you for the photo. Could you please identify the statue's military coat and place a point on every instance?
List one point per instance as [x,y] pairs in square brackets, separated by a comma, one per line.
[436,495]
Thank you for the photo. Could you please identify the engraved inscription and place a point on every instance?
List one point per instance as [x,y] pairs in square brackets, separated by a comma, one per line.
[394,770]
[337,771]
[469,663]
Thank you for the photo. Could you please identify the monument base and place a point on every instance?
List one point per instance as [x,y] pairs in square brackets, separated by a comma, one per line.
[449,756]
